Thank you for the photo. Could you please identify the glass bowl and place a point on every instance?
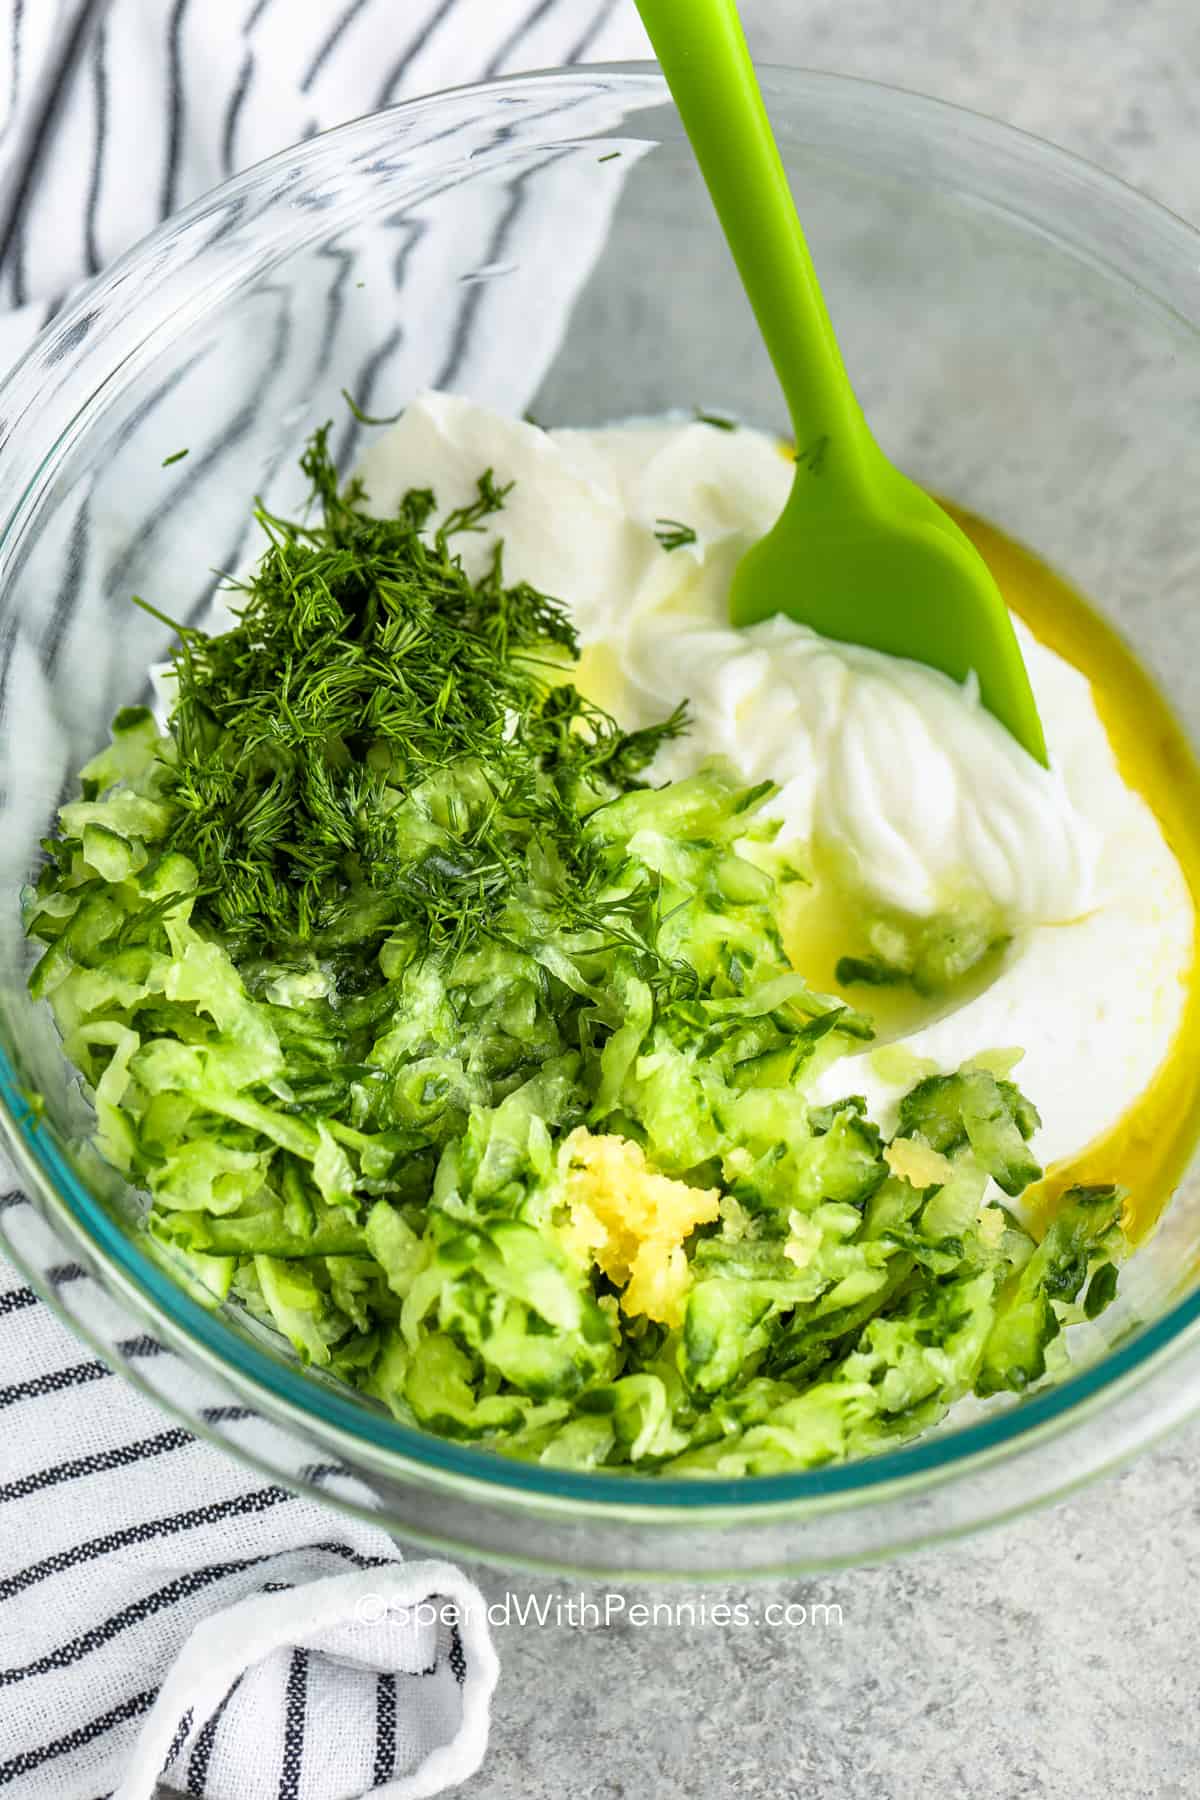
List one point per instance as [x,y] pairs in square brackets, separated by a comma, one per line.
[1022,331]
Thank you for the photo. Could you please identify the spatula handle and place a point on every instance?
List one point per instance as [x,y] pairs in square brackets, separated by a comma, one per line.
[706,61]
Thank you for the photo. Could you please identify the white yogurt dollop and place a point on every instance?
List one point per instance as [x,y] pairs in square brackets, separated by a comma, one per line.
[888,766]
[886,763]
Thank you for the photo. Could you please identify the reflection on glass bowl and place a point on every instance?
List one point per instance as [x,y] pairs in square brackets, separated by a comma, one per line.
[1021,331]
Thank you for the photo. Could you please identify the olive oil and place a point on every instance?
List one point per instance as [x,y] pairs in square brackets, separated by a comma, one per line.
[1148,1148]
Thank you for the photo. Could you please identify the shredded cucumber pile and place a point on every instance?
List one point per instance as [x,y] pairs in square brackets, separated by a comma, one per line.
[474,1066]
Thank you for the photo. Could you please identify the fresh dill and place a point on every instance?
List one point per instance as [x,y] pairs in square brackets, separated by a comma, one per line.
[718,421]
[611,157]
[366,418]
[672,535]
[812,457]
[176,456]
[385,742]
[872,971]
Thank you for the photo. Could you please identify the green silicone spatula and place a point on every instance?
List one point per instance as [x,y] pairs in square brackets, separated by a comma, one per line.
[860,553]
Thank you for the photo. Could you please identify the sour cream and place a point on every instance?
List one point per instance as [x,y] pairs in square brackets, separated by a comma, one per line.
[885,768]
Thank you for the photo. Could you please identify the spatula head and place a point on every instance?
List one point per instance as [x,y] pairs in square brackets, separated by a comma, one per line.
[894,572]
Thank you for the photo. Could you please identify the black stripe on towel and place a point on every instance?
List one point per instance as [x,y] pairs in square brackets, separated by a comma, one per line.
[330,42]
[28,1760]
[457,1657]
[14,81]
[202,1749]
[385,1730]
[512,43]
[258,1500]
[415,44]
[12,236]
[579,50]
[63,1656]
[182,1588]
[122,1457]
[54,1381]
[293,1727]
[233,112]
[460,344]
[175,102]
[91,244]
[182,1732]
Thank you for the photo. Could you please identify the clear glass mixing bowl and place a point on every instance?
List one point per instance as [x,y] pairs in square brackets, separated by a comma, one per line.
[1023,333]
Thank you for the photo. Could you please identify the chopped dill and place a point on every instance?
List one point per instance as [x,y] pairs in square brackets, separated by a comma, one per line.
[176,456]
[672,535]
[366,418]
[718,421]
[384,742]
[812,457]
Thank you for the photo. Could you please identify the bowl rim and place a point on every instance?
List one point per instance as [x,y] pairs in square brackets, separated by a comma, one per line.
[938,1457]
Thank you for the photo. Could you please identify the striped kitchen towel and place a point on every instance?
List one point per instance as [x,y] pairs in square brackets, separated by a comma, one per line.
[164,1614]
[117,112]
[298,1655]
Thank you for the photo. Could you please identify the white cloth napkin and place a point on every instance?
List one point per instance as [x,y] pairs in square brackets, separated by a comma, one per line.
[163,1614]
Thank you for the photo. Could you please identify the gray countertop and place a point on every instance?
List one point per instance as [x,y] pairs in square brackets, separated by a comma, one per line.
[1053,1657]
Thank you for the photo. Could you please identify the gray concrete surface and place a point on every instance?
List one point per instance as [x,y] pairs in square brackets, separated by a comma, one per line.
[1055,1657]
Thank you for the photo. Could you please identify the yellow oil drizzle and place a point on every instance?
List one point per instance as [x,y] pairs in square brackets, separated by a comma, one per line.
[1150,1145]
[1148,1148]
[820,926]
